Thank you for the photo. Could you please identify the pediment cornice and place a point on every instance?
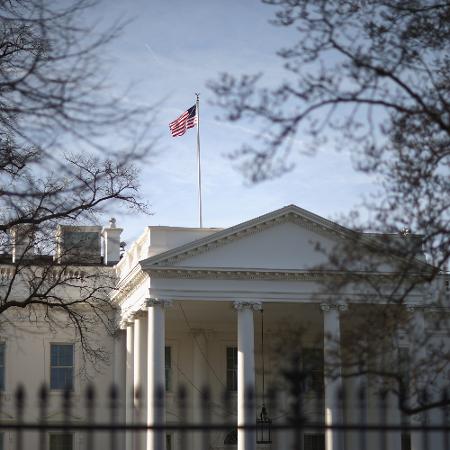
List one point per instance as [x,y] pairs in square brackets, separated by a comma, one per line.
[290,214]
[264,274]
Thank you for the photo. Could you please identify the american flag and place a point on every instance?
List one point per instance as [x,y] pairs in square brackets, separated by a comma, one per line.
[187,120]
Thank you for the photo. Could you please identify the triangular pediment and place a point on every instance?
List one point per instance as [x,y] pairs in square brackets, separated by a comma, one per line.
[288,239]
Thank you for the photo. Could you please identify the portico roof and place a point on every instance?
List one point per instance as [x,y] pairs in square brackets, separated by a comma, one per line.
[177,261]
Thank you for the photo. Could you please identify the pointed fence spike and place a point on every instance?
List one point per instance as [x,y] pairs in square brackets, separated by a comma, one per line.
[205,395]
[90,394]
[20,398]
[114,393]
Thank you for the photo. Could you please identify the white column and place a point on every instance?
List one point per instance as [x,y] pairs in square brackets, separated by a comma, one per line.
[129,383]
[140,376]
[200,373]
[357,413]
[156,372]
[333,379]
[246,374]
[418,352]
[394,439]
[119,362]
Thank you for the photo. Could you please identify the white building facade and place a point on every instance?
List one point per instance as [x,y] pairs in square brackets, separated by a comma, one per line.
[199,307]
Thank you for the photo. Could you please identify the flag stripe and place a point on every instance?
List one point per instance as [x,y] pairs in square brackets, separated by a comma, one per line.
[187,120]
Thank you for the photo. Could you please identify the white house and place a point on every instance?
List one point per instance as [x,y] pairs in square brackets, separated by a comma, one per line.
[190,304]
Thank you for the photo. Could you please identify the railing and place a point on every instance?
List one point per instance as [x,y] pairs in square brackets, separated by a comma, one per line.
[88,422]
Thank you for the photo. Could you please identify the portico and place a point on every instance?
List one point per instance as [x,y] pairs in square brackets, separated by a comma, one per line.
[189,298]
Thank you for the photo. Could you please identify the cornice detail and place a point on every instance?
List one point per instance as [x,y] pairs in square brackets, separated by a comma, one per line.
[130,287]
[413,307]
[243,274]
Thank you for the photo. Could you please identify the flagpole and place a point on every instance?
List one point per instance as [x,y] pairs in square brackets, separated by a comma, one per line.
[197,104]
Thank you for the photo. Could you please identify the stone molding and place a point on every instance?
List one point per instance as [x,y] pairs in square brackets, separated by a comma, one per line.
[164,303]
[413,307]
[207,333]
[254,306]
[341,307]
[126,322]
[129,287]
[274,275]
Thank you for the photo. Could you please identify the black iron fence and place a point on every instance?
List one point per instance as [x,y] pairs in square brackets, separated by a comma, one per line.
[207,420]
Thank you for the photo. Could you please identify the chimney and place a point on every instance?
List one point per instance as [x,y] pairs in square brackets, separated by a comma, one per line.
[111,243]
[22,238]
[78,244]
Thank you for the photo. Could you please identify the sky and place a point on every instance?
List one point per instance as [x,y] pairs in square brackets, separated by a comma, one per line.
[168,52]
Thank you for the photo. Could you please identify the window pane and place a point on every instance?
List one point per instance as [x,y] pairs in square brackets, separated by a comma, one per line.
[232,368]
[61,378]
[62,355]
[168,368]
[61,369]
[314,442]
[61,441]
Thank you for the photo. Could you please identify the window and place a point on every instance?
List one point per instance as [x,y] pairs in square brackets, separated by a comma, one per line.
[312,366]
[406,441]
[314,442]
[232,369]
[2,367]
[404,368]
[168,368]
[61,366]
[61,441]
[168,441]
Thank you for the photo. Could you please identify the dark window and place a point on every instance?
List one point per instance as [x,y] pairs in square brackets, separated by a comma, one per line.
[61,441]
[168,368]
[312,366]
[406,441]
[61,366]
[2,366]
[404,368]
[314,442]
[232,369]
[168,442]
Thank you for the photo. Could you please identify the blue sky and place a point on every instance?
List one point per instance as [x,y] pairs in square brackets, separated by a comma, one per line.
[169,52]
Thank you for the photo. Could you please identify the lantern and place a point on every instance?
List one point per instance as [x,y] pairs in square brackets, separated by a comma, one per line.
[263,427]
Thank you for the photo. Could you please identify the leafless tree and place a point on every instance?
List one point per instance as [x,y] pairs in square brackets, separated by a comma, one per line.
[68,149]
[373,77]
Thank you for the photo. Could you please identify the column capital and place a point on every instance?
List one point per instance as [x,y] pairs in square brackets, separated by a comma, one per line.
[412,307]
[164,303]
[254,306]
[127,321]
[337,306]
[140,313]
